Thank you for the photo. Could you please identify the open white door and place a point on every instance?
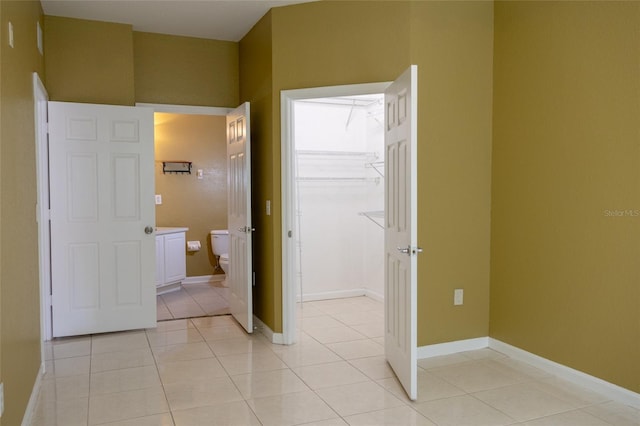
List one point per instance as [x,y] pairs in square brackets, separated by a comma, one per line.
[101,168]
[400,337]
[240,276]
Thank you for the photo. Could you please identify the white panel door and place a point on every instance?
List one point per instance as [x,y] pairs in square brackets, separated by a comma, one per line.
[401,249]
[239,279]
[102,198]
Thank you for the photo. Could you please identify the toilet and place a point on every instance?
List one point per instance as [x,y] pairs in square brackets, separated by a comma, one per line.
[220,247]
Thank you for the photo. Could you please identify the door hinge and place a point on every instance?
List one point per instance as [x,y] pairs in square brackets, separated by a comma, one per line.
[253,278]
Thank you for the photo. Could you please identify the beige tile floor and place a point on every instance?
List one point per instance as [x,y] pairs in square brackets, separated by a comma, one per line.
[193,300]
[207,371]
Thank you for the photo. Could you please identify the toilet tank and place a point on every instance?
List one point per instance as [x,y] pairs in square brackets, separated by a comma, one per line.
[220,241]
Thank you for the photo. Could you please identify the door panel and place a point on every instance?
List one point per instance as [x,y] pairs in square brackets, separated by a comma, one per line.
[401,229]
[239,216]
[102,190]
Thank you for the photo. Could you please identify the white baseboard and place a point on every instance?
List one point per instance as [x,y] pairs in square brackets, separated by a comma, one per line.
[33,399]
[587,381]
[203,279]
[168,288]
[275,338]
[374,295]
[449,348]
[335,294]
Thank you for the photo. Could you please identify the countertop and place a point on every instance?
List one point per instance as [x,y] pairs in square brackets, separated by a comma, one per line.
[162,230]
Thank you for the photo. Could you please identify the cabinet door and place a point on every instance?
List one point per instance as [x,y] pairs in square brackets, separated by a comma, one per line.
[159,260]
[175,263]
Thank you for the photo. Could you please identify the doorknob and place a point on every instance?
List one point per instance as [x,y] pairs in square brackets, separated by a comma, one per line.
[408,250]
[148,230]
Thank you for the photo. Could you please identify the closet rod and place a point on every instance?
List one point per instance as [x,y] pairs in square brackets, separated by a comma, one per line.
[337,179]
[339,153]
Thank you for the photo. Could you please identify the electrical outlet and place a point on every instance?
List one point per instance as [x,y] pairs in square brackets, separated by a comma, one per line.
[200,174]
[458,296]
[158,199]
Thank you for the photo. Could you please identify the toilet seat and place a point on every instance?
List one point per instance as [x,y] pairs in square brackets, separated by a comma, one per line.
[224,257]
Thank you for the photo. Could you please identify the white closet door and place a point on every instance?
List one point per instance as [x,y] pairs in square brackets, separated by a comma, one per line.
[400,299]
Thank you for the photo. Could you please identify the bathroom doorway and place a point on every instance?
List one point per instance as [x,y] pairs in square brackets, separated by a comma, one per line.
[333,201]
[195,200]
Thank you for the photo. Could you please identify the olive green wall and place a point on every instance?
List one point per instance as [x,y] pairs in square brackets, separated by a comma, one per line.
[19,287]
[89,61]
[256,78]
[339,43]
[101,62]
[185,70]
[452,43]
[199,204]
[564,263]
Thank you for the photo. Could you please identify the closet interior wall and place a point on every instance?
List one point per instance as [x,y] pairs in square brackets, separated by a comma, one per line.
[339,145]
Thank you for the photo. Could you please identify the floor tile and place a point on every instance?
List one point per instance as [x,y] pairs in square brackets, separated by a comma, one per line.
[329,375]
[268,383]
[178,324]
[430,387]
[475,376]
[126,405]
[121,359]
[124,380]
[358,398]
[303,355]
[405,416]
[570,392]
[374,329]
[615,413]
[462,411]
[232,414]
[208,370]
[237,345]
[251,362]
[69,366]
[335,334]
[216,391]
[71,347]
[174,337]
[70,412]
[222,332]
[375,367]
[154,420]
[291,409]
[183,352]
[524,401]
[356,349]
[190,370]
[65,388]
[571,418]
[116,342]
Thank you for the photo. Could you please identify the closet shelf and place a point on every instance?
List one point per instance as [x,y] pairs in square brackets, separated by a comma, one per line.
[337,153]
[337,179]
[374,216]
[378,166]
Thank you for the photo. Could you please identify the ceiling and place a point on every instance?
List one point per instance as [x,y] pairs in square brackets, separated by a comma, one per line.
[212,19]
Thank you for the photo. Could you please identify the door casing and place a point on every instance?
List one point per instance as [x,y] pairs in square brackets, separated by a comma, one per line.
[287,98]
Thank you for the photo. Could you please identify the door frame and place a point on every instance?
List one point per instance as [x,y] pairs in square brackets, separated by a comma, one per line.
[287,98]
[42,212]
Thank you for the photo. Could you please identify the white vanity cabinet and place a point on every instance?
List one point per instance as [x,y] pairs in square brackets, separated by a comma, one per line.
[171,263]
